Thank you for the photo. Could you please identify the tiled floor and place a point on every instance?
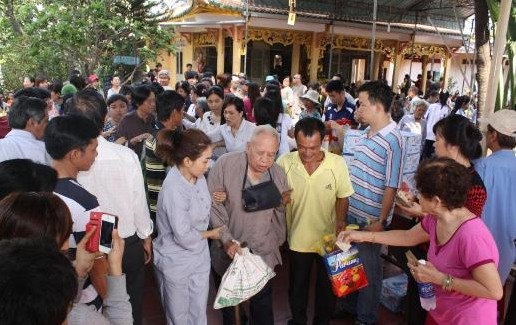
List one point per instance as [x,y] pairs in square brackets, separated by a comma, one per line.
[153,313]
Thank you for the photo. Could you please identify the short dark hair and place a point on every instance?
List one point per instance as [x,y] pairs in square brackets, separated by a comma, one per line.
[39,79]
[173,146]
[200,90]
[207,74]
[444,178]
[334,85]
[125,90]
[262,110]
[379,93]
[33,92]
[235,101]
[191,75]
[189,65]
[397,110]
[167,102]
[183,85]
[37,282]
[69,132]
[310,126]
[117,97]
[443,97]
[141,93]
[207,81]
[89,103]
[25,108]
[504,141]
[32,215]
[24,175]
[217,90]
[56,87]
[458,130]
[78,81]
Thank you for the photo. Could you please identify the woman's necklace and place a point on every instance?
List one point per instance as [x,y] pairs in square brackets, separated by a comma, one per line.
[212,120]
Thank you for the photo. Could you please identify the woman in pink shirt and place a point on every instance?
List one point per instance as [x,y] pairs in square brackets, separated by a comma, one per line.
[462,258]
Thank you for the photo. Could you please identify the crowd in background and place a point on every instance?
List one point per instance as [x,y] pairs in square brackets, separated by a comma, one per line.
[172,161]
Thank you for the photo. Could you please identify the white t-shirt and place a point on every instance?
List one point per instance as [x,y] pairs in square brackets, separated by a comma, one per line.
[235,142]
[435,112]
[408,123]
[283,125]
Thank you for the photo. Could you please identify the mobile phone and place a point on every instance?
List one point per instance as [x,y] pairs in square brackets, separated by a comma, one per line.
[93,243]
[107,224]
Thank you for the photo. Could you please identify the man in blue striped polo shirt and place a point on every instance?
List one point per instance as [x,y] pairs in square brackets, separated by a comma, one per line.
[375,174]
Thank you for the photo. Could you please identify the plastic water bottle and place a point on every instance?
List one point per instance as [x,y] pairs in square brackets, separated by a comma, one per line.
[426,293]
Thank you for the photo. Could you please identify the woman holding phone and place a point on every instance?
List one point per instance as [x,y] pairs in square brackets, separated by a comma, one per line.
[181,255]
[462,258]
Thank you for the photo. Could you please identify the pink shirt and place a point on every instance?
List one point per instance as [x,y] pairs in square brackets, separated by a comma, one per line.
[470,246]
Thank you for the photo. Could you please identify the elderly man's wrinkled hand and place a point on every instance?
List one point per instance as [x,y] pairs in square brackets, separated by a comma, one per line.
[232,247]
[219,196]
[286,197]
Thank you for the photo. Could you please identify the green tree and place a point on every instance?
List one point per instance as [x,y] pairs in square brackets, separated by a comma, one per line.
[55,36]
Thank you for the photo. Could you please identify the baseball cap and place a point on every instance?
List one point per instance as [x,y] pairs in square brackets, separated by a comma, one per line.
[93,78]
[503,121]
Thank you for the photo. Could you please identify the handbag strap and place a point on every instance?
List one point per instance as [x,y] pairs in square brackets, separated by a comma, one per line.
[245,173]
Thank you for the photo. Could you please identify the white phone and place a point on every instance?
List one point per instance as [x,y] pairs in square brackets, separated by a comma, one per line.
[108,223]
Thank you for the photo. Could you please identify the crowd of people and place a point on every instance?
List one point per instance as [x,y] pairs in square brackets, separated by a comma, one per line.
[173,163]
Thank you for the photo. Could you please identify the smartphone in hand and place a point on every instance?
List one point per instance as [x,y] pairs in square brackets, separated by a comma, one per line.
[108,223]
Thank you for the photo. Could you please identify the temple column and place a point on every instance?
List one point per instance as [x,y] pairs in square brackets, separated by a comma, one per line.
[188,50]
[237,46]
[378,58]
[424,63]
[220,52]
[447,69]
[314,58]
[397,65]
[296,49]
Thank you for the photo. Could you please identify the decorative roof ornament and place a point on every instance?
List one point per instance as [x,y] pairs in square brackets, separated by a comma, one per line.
[292,12]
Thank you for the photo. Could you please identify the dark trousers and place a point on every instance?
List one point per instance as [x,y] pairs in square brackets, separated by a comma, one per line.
[428,149]
[260,306]
[300,269]
[133,266]
[414,313]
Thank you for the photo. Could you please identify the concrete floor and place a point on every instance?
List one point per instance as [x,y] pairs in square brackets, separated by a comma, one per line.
[154,315]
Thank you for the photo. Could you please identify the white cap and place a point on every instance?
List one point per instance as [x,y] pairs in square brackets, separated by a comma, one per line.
[503,121]
[311,95]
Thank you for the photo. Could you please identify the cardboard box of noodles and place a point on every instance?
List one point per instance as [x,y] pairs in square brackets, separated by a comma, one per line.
[345,270]
[342,264]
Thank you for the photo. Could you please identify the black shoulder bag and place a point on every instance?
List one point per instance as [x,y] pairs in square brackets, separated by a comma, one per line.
[262,196]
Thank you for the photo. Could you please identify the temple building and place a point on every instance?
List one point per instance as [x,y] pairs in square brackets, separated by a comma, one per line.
[321,38]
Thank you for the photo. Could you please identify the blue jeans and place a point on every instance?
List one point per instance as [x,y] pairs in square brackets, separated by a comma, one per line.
[366,301]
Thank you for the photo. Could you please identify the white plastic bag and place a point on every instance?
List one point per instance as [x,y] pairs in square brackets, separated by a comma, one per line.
[244,278]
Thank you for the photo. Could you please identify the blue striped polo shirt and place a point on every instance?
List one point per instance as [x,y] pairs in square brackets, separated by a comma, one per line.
[377,165]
